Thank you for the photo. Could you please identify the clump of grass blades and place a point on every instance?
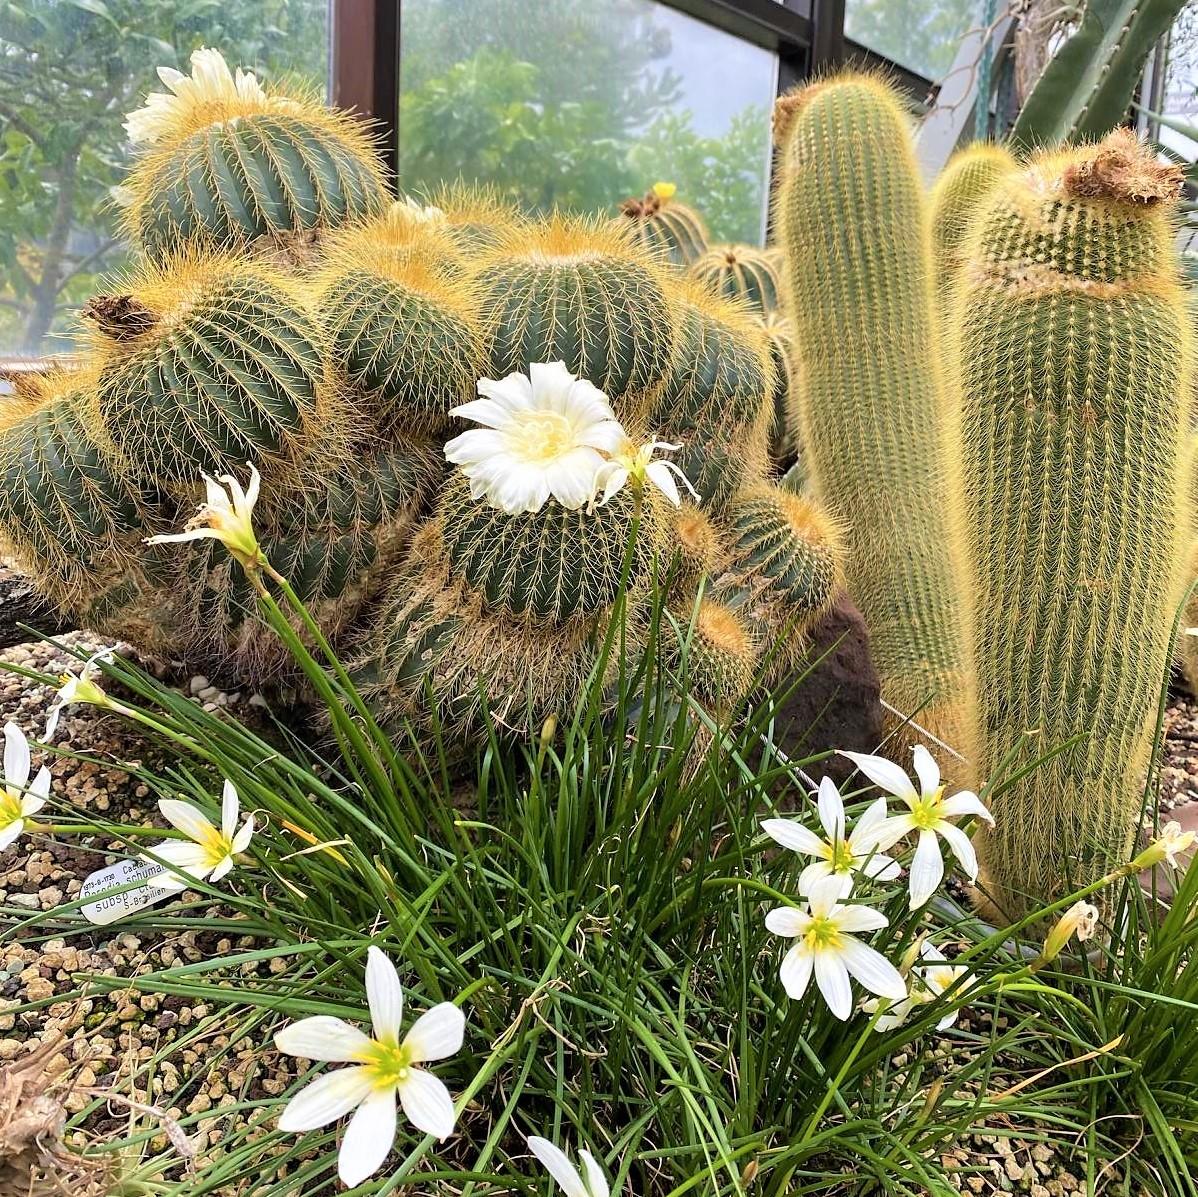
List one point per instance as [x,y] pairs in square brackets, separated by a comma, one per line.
[592,896]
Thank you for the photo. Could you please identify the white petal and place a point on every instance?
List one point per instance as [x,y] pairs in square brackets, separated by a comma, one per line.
[16,756]
[958,841]
[384,994]
[186,817]
[241,841]
[831,810]
[892,830]
[596,1182]
[868,827]
[181,857]
[325,1099]
[474,446]
[833,980]
[966,803]
[427,1103]
[816,871]
[880,867]
[883,773]
[223,867]
[926,770]
[55,713]
[586,404]
[11,833]
[790,833]
[608,436]
[873,970]
[321,1037]
[787,921]
[571,478]
[437,1033]
[558,1165]
[513,392]
[488,412]
[40,789]
[860,918]
[251,494]
[229,808]
[368,1138]
[927,869]
[614,479]
[824,896]
[795,973]
[551,383]
[658,472]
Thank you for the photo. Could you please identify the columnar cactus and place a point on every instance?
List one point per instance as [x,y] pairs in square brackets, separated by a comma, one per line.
[285,315]
[876,416]
[1075,354]
[960,191]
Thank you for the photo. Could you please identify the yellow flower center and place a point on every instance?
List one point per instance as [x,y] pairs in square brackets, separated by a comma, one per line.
[925,809]
[10,808]
[840,856]
[215,844]
[822,935]
[390,1064]
[540,436]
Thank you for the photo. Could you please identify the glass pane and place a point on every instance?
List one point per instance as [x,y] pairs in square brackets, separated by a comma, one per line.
[69,72]
[587,104]
[921,35]
[1181,85]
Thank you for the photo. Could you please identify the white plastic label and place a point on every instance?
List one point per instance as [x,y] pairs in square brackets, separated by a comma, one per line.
[109,907]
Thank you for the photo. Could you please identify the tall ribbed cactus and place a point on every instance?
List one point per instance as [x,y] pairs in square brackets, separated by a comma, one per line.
[960,191]
[1075,355]
[877,423]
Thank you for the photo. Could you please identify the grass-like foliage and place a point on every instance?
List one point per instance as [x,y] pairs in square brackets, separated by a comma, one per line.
[593,898]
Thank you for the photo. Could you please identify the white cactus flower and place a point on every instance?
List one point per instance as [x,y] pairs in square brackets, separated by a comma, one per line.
[589,1182]
[836,854]
[227,516]
[208,851]
[544,434]
[928,814]
[827,948]
[19,800]
[385,1068]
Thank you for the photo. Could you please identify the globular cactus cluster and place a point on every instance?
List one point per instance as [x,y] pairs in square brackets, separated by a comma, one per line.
[285,312]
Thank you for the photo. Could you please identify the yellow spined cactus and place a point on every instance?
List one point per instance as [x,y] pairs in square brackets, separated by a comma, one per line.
[1075,354]
[877,418]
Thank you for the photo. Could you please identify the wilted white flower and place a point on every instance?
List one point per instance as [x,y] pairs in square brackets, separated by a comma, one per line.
[413,209]
[630,464]
[590,1182]
[210,82]
[826,947]
[543,434]
[81,688]
[384,1066]
[208,851]
[227,516]
[837,854]
[19,800]
[928,813]
[1081,919]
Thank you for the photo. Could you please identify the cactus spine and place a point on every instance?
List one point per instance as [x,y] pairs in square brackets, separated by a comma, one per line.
[960,191]
[742,272]
[876,417]
[1075,356]
[664,227]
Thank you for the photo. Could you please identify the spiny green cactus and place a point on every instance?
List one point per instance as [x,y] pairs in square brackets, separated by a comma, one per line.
[205,364]
[742,272]
[784,436]
[717,400]
[1075,355]
[576,291]
[877,423]
[399,321]
[229,163]
[959,193]
[665,227]
[716,649]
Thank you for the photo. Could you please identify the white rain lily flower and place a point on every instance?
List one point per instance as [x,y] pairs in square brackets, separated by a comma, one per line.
[543,434]
[1081,919]
[383,1067]
[630,464]
[19,800]
[82,688]
[928,813]
[1171,842]
[210,82]
[837,854]
[928,982]
[826,947]
[590,1182]
[208,851]
[227,516]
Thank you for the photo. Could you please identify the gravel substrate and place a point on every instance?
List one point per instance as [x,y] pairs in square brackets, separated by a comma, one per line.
[88,1044]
